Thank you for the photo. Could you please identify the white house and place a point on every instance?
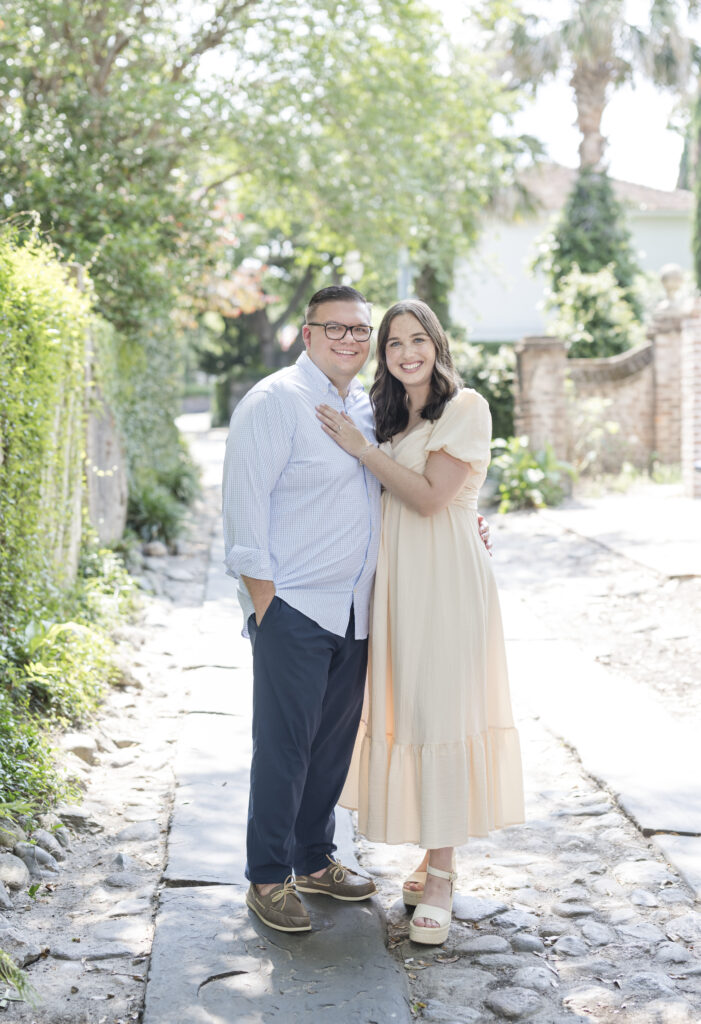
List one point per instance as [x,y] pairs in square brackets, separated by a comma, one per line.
[495,294]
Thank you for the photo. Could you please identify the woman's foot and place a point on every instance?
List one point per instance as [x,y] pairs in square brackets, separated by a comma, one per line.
[430,924]
[412,885]
[413,888]
[438,892]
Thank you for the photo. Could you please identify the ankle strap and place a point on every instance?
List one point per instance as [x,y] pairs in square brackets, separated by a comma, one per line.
[450,875]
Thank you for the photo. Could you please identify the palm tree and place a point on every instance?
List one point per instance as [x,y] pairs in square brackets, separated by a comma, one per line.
[601,50]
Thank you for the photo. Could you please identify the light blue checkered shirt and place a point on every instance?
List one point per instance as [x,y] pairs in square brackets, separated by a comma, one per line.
[299,510]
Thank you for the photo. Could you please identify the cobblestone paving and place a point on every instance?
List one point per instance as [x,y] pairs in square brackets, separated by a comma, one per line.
[571,917]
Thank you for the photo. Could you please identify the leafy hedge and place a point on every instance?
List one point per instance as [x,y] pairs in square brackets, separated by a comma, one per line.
[53,670]
[492,372]
[43,322]
[55,647]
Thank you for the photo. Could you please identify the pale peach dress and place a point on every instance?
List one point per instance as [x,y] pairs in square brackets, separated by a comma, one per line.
[437,758]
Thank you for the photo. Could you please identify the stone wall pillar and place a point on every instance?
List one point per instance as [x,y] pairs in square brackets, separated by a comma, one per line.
[105,458]
[691,402]
[665,332]
[105,472]
[539,409]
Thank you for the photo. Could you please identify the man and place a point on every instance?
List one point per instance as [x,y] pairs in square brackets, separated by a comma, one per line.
[301,526]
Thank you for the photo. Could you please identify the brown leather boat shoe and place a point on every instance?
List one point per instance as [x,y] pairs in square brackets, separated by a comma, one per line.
[337,881]
[281,908]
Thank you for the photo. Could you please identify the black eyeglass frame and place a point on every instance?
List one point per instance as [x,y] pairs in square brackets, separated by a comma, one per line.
[346,329]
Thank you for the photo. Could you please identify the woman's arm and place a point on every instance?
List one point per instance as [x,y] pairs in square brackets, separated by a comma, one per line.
[426,493]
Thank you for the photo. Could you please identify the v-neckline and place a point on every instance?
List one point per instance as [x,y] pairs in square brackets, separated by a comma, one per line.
[413,430]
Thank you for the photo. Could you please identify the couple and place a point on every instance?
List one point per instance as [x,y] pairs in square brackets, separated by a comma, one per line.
[305,529]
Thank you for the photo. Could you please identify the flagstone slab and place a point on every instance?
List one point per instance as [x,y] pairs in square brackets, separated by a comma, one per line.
[207,838]
[684,852]
[214,962]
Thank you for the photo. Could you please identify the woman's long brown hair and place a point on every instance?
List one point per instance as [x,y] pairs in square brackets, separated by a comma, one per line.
[387,394]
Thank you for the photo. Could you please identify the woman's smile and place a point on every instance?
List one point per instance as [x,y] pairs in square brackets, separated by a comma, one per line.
[410,352]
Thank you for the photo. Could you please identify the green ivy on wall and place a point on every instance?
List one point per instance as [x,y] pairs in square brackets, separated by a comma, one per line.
[43,321]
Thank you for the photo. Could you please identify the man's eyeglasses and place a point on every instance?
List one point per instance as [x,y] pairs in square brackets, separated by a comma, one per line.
[334,332]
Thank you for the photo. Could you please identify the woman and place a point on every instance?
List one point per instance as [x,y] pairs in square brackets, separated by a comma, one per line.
[440,759]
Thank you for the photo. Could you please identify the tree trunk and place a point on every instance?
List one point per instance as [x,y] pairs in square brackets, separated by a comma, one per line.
[433,291]
[590,84]
[265,332]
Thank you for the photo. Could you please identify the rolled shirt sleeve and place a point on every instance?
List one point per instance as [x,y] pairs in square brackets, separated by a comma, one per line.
[257,450]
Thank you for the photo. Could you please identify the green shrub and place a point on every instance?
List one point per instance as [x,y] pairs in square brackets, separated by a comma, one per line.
[593,315]
[180,475]
[162,476]
[591,233]
[592,272]
[27,771]
[65,669]
[154,513]
[43,320]
[492,373]
[528,479]
[53,671]
[107,593]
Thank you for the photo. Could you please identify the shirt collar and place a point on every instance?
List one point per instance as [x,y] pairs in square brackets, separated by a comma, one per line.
[322,383]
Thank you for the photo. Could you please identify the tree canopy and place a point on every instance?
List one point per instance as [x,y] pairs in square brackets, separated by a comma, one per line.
[321,134]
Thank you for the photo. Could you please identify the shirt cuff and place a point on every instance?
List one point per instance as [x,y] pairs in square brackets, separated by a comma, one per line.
[253,562]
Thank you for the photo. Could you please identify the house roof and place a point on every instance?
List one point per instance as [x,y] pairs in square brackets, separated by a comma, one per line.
[549,184]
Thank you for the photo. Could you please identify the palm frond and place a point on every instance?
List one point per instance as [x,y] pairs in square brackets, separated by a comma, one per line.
[664,52]
[11,974]
[534,55]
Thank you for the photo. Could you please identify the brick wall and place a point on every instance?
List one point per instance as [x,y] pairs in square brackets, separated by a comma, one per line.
[621,390]
[539,405]
[651,394]
[691,403]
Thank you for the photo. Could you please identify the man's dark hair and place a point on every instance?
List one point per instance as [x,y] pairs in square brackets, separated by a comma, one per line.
[333,293]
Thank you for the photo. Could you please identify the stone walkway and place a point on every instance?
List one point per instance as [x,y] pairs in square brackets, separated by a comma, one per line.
[212,960]
[587,913]
[574,916]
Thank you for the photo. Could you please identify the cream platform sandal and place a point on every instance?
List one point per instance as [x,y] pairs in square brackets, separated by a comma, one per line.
[412,897]
[433,936]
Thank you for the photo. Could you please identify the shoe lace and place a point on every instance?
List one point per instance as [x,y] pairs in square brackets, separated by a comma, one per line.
[286,889]
[339,872]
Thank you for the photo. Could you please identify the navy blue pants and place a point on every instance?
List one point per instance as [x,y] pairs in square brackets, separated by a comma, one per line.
[308,689]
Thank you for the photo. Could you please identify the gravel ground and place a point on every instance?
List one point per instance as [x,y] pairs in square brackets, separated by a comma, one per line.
[625,616]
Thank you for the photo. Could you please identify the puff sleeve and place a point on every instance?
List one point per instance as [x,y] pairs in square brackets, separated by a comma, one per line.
[464,430]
